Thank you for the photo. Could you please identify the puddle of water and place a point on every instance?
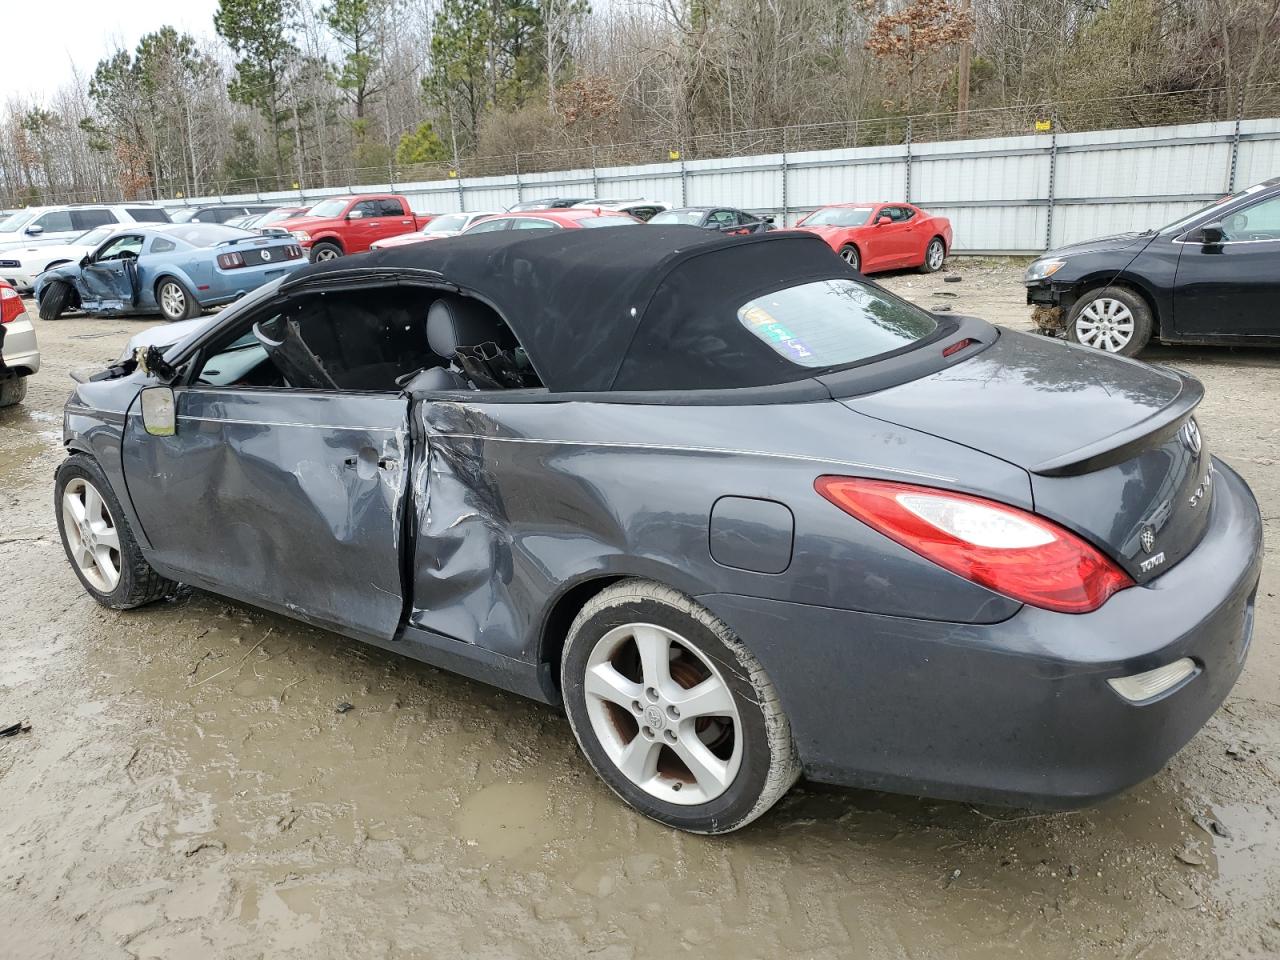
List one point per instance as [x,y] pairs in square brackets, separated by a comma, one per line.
[507,819]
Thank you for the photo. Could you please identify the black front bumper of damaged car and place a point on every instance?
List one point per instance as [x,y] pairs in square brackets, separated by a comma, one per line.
[1017,712]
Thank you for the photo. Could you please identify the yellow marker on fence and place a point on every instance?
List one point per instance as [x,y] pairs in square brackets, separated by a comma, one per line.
[673,154]
[453,174]
[1044,126]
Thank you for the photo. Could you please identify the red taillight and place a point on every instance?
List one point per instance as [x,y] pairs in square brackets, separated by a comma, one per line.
[11,307]
[958,346]
[292,252]
[229,261]
[1005,549]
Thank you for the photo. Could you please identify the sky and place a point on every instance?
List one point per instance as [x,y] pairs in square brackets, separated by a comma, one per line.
[76,34]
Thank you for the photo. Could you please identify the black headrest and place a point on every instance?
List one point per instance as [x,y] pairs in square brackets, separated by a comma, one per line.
[454,322]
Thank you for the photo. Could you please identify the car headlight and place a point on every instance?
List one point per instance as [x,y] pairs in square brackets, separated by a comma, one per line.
[301,236]
[1043,269]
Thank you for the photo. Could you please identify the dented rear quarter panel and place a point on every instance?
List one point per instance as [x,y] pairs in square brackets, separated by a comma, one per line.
[517,503]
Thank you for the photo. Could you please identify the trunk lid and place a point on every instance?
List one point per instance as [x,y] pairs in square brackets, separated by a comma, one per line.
[1111,445]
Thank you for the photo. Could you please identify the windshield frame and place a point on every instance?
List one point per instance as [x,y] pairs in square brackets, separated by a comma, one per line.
[1182,223]
[19,219]
[433,225]
[809,221]
[341,202]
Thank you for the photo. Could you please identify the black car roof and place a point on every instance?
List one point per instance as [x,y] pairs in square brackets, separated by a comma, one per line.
[653,308]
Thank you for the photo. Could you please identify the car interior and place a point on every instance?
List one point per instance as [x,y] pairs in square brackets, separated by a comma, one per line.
[380,341]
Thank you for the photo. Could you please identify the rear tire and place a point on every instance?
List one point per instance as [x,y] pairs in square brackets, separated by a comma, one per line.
[13,390]
[54,299]
[849,254]
[324,250]
[176,302]
[1114,319]
[674,714]
[98,541]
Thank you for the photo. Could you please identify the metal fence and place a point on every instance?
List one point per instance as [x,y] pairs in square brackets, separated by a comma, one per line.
[1014,180]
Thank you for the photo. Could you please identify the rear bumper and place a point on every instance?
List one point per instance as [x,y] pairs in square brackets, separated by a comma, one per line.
[1017,712]
[20,352]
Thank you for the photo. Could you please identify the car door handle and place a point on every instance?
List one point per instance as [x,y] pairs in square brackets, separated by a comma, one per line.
[384,463]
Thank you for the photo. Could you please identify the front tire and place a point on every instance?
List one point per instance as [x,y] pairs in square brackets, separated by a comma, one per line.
[175,300]
[324,250]
[1115,319]
[849,254]
[674,714]
[54,299]
[935,255]
[98,541]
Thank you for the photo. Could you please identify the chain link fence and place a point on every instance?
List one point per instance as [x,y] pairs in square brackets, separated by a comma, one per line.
[1069,116]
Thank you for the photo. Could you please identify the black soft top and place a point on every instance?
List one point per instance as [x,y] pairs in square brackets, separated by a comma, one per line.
[642,308]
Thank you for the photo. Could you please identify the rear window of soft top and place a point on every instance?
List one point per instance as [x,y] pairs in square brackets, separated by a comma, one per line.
[834,323]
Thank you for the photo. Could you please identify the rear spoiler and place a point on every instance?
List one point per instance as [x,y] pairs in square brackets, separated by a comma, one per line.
[256,237]
[1122,445]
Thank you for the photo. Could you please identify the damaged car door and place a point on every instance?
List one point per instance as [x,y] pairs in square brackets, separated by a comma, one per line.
[278,485]
[109,280]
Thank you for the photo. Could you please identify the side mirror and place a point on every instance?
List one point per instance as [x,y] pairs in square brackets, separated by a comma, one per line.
[1213,235]
[355,215]
[34,230]
[883,219]
[159,411]
[767,219]
[84,261]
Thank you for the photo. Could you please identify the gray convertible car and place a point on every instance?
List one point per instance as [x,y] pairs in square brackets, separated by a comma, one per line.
[742,513]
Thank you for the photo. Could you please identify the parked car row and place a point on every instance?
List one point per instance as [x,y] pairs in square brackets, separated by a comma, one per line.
[1206,278]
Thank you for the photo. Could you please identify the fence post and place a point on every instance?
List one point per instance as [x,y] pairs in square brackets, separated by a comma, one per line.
[908,184]
[462,195]
[1235,142]
[1053,179]
[519,184]
[684,179]
[595,175]
[786,204]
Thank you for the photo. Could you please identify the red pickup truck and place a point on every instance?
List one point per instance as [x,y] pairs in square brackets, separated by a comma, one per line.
[341,225]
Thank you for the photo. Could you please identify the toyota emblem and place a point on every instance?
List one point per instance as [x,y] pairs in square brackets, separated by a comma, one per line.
[1190,435]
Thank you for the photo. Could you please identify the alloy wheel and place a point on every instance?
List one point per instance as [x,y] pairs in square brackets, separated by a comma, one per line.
[1105,324]
[326,253]
[935,255]
[663,714]
[850,256]
[172,300]
[92,537]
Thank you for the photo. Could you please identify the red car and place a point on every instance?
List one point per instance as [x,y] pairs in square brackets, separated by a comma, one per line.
[882,236]
[568,219]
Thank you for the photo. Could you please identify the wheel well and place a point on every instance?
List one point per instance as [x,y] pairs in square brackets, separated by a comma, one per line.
[155,287]
[332,241]
[938,236]
[56,263]
[555,629]
[73,298]
[1095,283]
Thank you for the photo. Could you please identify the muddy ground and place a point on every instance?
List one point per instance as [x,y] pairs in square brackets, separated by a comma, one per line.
[188,789]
